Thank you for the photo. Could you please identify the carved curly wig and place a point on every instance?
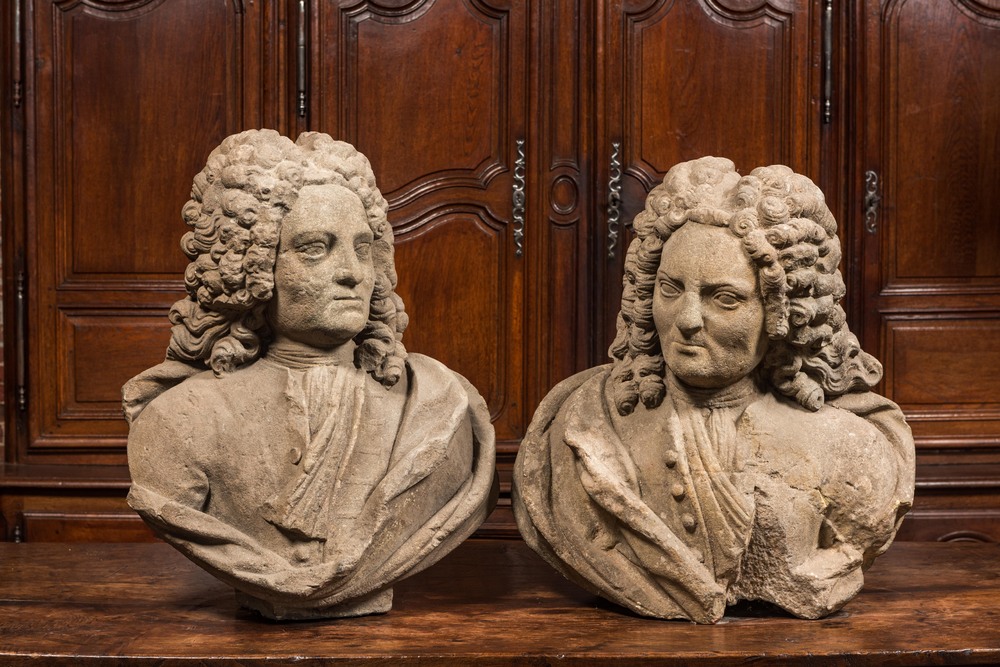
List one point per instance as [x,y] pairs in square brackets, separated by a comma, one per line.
[791,238]
[237,204]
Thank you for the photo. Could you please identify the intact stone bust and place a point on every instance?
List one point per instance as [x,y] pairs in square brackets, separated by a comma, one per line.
[289,445]
[733,450]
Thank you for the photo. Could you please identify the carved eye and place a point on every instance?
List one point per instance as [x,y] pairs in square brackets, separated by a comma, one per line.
[312,250]
[727,300]
[363,250]
[669,289]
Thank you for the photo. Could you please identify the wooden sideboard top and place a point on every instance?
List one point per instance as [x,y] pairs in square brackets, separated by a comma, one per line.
[490,602]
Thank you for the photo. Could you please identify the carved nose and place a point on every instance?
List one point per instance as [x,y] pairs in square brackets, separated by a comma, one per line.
[349,270]
[689,320]
[347,275]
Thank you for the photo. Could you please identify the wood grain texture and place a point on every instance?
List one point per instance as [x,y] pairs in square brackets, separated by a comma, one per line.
[942,370]
[943,143]
[109,84]
[560,192]
[105,527]
[125,101]
[955,503]
[928,105]
[489,603]
[962,525]
[681,80]
[435,94]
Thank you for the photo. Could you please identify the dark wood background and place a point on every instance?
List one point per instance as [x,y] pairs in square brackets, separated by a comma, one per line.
[109,108]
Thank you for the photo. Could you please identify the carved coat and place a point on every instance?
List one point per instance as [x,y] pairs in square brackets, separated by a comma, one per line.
[312,490]
[677,511]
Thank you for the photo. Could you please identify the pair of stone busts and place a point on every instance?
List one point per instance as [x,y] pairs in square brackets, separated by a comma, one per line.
[733,449]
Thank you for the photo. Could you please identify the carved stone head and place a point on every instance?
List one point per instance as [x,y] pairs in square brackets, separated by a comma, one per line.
[260,191]
[786,236]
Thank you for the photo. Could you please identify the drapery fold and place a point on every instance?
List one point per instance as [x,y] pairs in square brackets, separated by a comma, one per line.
[434,483]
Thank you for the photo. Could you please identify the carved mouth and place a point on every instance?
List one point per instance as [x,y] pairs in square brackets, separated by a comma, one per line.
[688,347]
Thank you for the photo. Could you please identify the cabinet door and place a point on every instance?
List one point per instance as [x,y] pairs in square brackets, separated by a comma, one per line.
[931,113]
[683,79]
[434,93]
[123,101]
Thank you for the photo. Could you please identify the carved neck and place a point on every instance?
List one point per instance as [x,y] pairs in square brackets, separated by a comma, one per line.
[293,354]
[740,392]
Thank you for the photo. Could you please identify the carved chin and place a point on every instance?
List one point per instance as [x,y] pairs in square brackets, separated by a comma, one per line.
[697,367]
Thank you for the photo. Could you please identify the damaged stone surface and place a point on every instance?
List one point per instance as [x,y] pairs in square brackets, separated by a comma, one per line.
[289,444]
[733,450]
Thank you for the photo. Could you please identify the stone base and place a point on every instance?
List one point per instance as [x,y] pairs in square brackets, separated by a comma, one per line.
[376,603]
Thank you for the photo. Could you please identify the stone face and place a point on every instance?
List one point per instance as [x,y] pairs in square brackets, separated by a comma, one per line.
[733,450]
[288,444]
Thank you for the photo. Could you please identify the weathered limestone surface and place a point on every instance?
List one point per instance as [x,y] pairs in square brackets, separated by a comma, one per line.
[288,444]
[733,450]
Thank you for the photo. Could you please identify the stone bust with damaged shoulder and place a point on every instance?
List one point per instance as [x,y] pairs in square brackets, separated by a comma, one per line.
[733,450]
[289,445]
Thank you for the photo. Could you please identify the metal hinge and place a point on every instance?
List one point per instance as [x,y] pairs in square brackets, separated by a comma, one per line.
[872,199]
[302,54]
[518,198]
[614,198]
[826,106]
[17,91]
[20,304]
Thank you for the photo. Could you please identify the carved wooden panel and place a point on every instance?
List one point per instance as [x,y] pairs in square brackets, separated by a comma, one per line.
[96,87]
[434,93]
[701,78]
[931,275]
[447,62]
[42,526]
[943,370]
[966,365]
[99,351]
[951,526]
[476,316]
[737,79]
[955,503]
[941,87]
[124,101]
[560,205]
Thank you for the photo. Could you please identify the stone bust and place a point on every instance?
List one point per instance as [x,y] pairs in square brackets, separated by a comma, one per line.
[734,449]
[289,444]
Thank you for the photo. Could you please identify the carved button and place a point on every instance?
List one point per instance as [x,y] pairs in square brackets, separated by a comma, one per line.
[295,455]
[699,556]
[670,458]
[677,491]
[689,522]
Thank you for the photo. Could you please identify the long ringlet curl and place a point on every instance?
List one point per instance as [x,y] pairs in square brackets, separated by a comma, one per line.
[790,237]
[249,183]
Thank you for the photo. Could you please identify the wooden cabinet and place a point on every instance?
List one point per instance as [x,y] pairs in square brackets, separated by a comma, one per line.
[461,106]
[737,79]
[926,188]
[470,113]
[114,108]
[44,503]
[122,103]
[514,141]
